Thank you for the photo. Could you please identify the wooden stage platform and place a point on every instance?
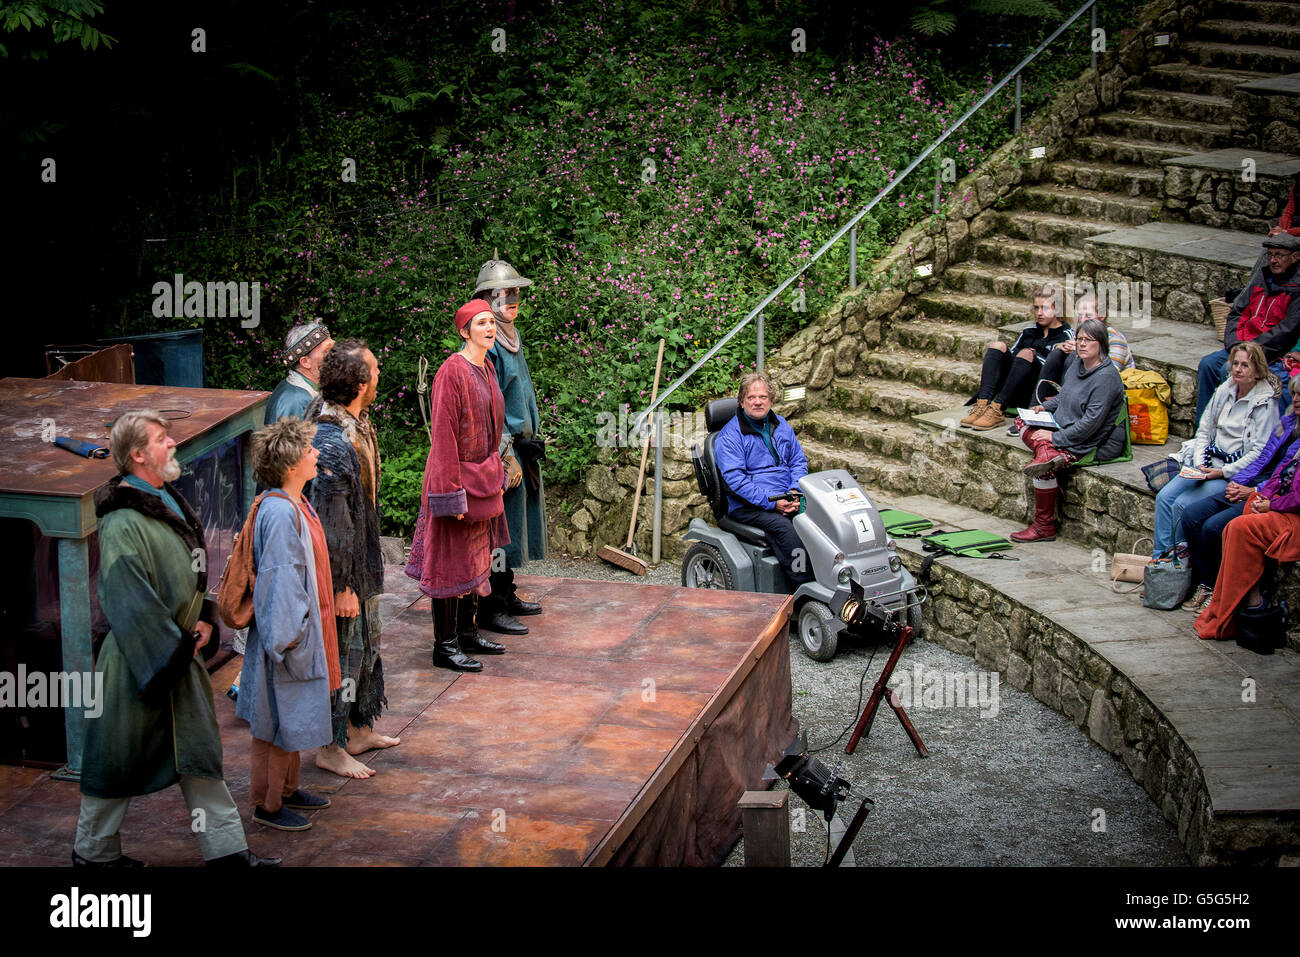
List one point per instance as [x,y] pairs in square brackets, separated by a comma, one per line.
[621,730]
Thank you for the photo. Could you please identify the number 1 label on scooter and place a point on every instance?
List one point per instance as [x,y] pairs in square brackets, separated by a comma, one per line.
[862,525]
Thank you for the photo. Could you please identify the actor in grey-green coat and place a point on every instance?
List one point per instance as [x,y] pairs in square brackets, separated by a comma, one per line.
[158,725]
[521,451]
[161,723]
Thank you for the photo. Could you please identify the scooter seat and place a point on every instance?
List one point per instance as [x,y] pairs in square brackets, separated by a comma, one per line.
[746,533]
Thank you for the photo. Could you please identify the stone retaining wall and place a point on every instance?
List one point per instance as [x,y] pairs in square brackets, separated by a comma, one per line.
[1267,121]
[1181,288]
[606,505]
[1223,199]
[1040,658]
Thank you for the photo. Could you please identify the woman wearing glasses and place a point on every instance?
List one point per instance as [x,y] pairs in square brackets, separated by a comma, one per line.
[1085,412]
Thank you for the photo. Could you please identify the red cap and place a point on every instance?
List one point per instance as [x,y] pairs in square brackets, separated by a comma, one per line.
[469,312]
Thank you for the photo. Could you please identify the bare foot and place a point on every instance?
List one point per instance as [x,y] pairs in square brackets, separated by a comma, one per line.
[368,739]
[334,758]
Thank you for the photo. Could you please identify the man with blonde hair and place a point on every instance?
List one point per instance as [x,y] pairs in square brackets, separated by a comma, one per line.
[758,456]
[158,726]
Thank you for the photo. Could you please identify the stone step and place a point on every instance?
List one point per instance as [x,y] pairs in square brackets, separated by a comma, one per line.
[1260,11]
[959,340]
[1073,202]
[1033,257]
[1265,59]
[888,439]
[895,400]
[988,311]
[1206,81]
[1249,32]
[872,471]
[996,280]
[944,373]
[1171,132]
[1104,505]
[1116,149]
[964,307]
[1110,177]
[1048,228]
[1170,104]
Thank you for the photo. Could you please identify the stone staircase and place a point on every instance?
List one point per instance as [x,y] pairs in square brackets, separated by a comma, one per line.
[1148,191]
[1098,213]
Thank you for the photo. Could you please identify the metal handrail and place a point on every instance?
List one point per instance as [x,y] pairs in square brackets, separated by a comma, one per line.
[850,226]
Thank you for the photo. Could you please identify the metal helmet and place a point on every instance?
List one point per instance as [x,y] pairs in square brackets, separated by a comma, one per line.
[499,274]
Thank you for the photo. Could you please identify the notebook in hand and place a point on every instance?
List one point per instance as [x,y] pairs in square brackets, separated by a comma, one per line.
[1038,420]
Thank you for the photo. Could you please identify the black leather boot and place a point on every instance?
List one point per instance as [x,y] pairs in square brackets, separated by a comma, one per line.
[492,617]
[467,632]
[519,608]
[446,650]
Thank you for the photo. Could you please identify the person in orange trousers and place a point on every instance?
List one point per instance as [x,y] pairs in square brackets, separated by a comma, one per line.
[1262,532]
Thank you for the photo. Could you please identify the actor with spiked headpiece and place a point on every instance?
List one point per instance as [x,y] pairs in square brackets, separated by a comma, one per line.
[522,452]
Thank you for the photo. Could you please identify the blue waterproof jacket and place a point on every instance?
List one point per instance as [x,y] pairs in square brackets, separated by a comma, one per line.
[750,469]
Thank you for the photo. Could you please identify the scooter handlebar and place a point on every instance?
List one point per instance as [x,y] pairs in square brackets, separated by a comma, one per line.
[793,493]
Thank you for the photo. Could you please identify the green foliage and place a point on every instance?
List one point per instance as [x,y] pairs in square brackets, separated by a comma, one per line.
[67,20]
[543,156]
[402,481]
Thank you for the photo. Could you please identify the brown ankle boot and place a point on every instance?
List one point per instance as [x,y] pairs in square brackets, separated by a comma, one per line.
[981,406]
[1043,527]
[991,418]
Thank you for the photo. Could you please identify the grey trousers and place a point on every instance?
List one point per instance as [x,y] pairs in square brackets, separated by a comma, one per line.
[218,828]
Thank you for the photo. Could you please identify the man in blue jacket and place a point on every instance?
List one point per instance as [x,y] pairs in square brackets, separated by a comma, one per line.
[759,456]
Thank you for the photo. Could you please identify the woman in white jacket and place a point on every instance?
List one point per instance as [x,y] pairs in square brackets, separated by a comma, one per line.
[1236,425]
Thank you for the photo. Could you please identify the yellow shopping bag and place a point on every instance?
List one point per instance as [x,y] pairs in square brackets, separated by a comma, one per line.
[1148,406]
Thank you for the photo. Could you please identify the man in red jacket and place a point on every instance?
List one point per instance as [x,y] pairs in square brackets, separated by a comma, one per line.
[1266,311]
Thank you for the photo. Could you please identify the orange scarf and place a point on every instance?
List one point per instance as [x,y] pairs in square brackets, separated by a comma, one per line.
[325,589]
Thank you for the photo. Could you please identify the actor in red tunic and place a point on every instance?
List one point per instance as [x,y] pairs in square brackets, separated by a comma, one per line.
[462,517]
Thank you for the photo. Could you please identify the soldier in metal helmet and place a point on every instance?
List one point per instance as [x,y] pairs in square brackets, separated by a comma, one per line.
[521,451]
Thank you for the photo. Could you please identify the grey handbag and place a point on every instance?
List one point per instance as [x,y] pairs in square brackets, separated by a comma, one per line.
[1166,582]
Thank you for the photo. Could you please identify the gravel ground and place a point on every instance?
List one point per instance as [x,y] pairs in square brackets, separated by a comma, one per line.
[1008,782]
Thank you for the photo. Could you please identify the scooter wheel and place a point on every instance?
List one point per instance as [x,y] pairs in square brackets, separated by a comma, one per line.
[704,567]
[819,643]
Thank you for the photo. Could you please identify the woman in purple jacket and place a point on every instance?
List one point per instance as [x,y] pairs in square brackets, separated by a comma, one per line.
[1205,521]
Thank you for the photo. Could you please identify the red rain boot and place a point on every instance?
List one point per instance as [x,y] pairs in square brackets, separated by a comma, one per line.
[1043,528]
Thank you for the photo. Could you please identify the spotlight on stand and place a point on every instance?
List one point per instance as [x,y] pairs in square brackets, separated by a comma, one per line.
[819,787]
[822,789]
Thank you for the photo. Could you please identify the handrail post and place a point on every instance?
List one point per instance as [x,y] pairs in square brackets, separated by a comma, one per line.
[853,258]
[657,535]
[1091,34]
[1017,102]
[759,364]
[938,176]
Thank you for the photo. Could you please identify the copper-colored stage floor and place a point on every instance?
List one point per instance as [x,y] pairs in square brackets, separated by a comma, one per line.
[621,730]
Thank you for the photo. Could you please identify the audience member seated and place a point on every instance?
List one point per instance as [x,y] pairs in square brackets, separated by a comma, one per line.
[1267,532]
[1266,312]
[1087,413]
[1088,307]
[1010,375]
[1205,521]
[1237,424]
[759,456]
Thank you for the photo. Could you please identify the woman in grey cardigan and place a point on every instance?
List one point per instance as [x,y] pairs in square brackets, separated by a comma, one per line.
[1086,411]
